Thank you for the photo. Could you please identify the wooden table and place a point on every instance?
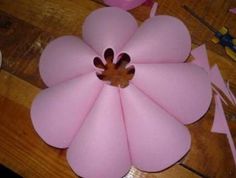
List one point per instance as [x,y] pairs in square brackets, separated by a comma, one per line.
[28,25]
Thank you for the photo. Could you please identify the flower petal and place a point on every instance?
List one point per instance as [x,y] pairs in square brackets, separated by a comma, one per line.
[65,58]
[108,27]
[58,112]
[160,39]
[156,139]
[183,89]
[100,148]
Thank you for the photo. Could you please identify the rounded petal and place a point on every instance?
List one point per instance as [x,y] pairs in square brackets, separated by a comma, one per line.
[58,112]
[184,90]
[108,27]
[100,149]
[124,4]
[156,139]
[160,39]
[65,58]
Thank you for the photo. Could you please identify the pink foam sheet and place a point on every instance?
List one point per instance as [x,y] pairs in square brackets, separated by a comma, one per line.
[159,39]
[201,58]
[100,149]
[108,28]
[157,140]
[183,90]
[220,125]
[58,112]
[64,58]
[124,4]
[218,81]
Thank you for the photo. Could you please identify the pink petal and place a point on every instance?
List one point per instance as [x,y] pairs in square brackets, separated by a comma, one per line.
[156,139]
[109,27]
[65,58]
[100,149]
[160,39]
[201,58]
[58,112]
[183,89]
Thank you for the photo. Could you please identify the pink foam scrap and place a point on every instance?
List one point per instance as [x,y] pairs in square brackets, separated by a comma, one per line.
[221,97]
[154,9]
[233,10]
[231,93]
[218,81]
[200,57]
[220,125]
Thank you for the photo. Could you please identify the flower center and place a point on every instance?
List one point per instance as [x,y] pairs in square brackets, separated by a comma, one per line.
[116,74]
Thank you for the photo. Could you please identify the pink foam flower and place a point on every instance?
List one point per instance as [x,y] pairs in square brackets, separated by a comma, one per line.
[122,95]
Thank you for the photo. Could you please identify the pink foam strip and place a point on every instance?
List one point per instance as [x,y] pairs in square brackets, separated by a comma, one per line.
[201,58]
[231,93]
[220,125]
[217,79]
[154,9]
[222,99]
[233,10]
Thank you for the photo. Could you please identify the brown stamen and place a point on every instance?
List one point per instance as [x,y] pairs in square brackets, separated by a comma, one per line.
[117,74]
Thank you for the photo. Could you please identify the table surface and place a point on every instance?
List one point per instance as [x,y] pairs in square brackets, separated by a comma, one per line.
[28,25]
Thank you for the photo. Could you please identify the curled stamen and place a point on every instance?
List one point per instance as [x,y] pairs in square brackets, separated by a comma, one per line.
[109,55]
[123,61]
[117,74]
[98,63]
[131,70]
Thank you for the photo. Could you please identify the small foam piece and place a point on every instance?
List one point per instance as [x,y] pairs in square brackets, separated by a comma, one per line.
[220,125]
[231,93]
[233,10]
[218,81]
[154,9]
[201,58]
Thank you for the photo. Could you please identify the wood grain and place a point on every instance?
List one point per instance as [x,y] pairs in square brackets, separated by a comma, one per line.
[21,45]
[26,26]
